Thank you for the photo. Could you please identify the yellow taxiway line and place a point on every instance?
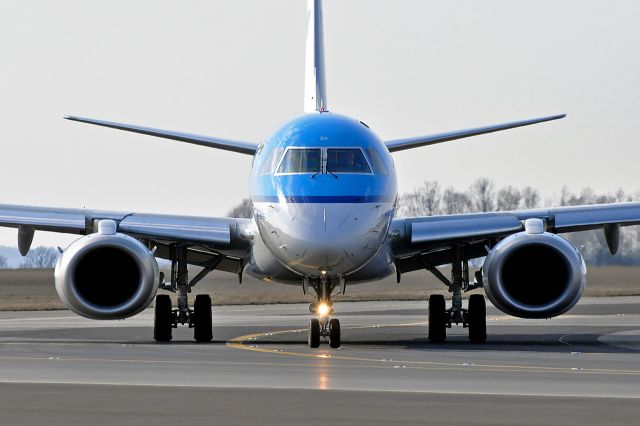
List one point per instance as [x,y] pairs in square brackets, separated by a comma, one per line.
[249,342]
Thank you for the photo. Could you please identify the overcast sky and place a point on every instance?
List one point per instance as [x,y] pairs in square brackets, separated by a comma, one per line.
[234,68]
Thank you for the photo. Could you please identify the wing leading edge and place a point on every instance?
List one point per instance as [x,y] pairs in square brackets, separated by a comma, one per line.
[415,142]
[247,148]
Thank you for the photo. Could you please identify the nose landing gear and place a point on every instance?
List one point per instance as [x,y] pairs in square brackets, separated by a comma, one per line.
[323,325]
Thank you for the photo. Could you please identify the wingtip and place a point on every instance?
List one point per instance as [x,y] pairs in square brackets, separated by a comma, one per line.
[555,117]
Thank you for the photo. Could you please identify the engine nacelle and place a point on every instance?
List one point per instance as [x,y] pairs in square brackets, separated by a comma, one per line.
[534,275]
[107,276]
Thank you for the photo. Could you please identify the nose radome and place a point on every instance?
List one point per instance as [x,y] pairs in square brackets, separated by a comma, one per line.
[338,238]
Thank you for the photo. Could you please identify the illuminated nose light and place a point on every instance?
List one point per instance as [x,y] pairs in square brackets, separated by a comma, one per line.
[323,309]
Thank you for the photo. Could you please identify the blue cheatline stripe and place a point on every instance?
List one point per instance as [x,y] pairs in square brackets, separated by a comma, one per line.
[325,199]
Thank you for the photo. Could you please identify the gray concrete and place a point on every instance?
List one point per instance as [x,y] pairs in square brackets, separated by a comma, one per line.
[259,369]
[96,405]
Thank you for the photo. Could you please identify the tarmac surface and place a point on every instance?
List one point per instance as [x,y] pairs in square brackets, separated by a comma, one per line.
[583,367]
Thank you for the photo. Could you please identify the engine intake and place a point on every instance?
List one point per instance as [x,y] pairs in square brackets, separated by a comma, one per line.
[107,276]
[534,275]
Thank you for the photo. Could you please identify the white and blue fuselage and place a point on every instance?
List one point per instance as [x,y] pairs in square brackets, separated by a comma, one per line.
[324,190]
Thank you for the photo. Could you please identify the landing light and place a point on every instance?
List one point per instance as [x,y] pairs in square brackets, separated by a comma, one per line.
[323,309]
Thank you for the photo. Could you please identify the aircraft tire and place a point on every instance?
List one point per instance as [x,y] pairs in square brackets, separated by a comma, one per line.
[334,333]
[202,324]
[314,333]
[437,319]
[162,319]
[477,314]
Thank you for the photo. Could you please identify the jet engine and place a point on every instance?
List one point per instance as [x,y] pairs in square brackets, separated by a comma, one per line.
[107,275]
[534,274]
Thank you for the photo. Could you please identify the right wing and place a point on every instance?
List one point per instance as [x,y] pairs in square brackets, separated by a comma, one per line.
[247,148]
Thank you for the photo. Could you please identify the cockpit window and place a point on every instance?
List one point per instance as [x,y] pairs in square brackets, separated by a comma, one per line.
[346,160]
[269,165]
[301,161]
[376,162]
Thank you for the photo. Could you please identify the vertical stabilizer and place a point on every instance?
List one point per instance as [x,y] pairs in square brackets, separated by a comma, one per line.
[315,93]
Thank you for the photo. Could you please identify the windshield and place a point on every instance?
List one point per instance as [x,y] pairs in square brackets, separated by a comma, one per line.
[376,162]
[346,160]
[301,161]
[269,166]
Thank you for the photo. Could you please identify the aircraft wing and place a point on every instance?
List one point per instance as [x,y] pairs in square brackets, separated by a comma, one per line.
[207,238]
[418,141]
[420,241]
[241,147]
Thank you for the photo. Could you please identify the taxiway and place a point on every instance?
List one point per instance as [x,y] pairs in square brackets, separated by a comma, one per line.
[581,367]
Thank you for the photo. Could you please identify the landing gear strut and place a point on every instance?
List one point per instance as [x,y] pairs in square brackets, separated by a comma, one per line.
[323,325]
[166,318]
[473,318]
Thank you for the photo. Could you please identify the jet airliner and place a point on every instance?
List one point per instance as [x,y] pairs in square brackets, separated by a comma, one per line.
[323,189]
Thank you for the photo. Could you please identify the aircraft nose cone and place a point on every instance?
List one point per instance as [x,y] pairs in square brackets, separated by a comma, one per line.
[338,238]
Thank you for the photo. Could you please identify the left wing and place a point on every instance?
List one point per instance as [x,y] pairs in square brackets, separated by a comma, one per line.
[226,239]
[415,142]
[434,239]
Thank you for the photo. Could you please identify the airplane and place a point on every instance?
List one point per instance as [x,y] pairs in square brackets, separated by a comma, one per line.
[323,189]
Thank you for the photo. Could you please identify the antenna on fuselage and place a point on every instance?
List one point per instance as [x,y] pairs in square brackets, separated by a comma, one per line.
[315,92]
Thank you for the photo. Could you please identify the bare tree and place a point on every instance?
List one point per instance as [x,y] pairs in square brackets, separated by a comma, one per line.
[565,196]
[3,262]
[422,201]
[454,202]
[430,199]
[481,194]
[530,198]
[41,257]
[620,196]
[587,196]
[509,198]
[243,210]
[408,205]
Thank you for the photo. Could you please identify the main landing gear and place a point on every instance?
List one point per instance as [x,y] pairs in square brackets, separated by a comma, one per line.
[166,318]
[323,325]
[474,317]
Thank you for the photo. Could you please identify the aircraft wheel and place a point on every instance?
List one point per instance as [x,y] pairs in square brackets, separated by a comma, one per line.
[162,319]
[334,333]
[314,333]
[477,314]
[202,325]
[437,319]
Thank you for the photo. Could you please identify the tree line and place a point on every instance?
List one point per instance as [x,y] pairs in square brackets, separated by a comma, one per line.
[431,199]
[39,257]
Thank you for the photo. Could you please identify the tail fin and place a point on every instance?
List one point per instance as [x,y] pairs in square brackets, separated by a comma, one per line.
[315,93]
